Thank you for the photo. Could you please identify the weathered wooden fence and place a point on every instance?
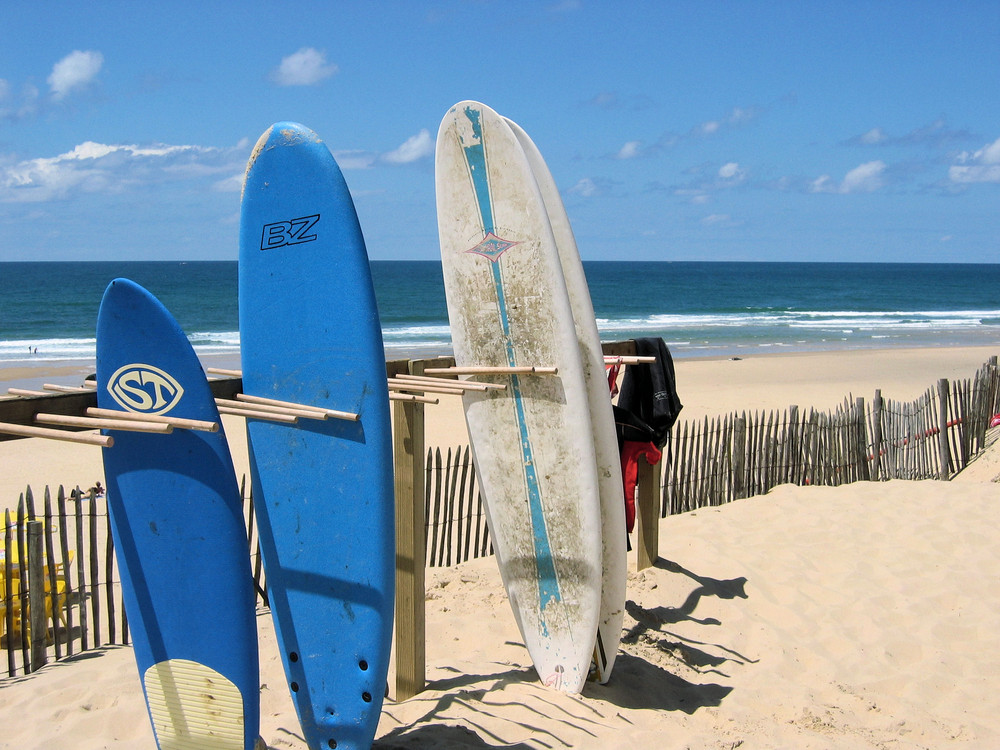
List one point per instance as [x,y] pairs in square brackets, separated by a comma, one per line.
[739,455]
[60,592]
[456,528]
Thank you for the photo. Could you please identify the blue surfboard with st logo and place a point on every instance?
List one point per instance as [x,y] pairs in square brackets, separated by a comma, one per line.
[323,490]
[180,540]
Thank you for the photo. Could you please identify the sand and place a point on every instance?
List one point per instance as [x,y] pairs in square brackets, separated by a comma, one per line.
[863,616]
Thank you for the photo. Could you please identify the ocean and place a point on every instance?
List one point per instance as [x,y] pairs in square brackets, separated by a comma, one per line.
[48,310]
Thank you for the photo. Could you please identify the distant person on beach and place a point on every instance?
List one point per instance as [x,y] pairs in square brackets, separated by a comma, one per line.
[97,489]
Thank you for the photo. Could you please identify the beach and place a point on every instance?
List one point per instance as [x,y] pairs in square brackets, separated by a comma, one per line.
[861,616]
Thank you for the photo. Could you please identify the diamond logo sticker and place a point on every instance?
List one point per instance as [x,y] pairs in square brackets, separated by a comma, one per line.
[492,247]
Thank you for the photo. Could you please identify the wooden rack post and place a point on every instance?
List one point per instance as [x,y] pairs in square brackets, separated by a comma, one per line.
[409,460]
[647,509]
[648,514]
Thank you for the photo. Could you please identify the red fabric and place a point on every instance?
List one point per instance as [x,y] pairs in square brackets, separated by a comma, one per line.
[995,422]
[631,452]
[612,373]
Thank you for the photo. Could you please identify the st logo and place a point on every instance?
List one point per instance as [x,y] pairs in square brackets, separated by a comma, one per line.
[145,389]
[293,232]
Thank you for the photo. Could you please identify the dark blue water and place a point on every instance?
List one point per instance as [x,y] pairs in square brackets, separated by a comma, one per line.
[700,309]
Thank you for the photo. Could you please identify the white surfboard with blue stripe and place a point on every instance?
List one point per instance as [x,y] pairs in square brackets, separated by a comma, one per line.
[533,442]
[609,475]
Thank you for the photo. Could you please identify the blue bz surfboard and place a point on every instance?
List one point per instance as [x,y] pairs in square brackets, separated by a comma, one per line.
[177,523]
[323,490]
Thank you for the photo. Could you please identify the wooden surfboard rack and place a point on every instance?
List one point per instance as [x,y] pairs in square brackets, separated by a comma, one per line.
[410,475]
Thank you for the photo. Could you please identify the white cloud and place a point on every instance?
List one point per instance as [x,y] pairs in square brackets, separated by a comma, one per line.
[414,148]
[936,135]
[355,159]
[15,108]
[94,167]
[864,178]
[75,71]
[980,166]
[731,172]
[306,67]
[872,137]
[585,187]
[738,117]
[231,184]
[713,219]
[823,184]
[630,150]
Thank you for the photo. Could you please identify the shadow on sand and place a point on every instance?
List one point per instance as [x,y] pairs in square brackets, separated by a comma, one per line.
[472,710]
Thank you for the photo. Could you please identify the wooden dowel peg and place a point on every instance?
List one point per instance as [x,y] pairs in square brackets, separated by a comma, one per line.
[102,423]
[269,409]
[405,386]
[464,385]
[66,388]
[104,441]
[349,416]
[414,398]
[222,371]
[487,370]
[26,392]
[250,413]
[395,386]
[628,360]
[178,423]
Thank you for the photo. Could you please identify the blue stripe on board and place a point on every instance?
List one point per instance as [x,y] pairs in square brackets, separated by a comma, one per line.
[548,582]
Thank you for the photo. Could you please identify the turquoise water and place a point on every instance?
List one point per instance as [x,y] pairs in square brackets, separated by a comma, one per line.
[699,309]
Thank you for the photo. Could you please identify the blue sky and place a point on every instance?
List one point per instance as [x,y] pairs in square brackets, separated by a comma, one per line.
[847,131]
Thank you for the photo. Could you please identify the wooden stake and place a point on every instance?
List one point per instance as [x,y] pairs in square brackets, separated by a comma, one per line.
[349,416]
[25,392]
[221,371]
[486,370]
[126,425]
[177,422]
[104,441]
